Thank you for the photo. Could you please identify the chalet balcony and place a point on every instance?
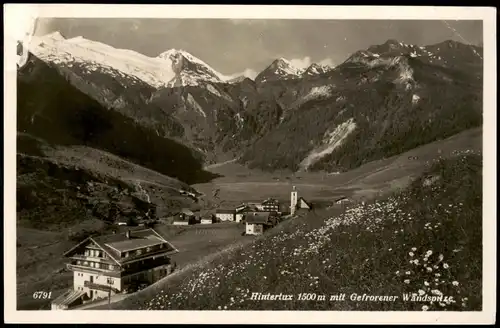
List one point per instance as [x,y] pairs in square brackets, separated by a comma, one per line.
[83,268]
[145,265]
[104,288]
[92,258]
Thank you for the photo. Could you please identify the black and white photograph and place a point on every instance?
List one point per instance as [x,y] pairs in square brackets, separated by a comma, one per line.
[252,163]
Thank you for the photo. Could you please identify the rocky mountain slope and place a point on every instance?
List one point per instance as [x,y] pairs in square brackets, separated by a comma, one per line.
[317,118]
[379,102]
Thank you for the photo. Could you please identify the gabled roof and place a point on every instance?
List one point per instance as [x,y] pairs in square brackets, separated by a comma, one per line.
[258,217]
[186,211]
[114,244]
[271,201]
[305,201]
[225,211]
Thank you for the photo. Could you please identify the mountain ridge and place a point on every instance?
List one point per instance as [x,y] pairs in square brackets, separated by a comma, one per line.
[225,119]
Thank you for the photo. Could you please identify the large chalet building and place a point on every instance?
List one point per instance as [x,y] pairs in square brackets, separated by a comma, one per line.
[270,205]
[110,264]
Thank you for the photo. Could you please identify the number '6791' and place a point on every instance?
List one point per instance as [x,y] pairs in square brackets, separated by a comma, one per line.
[42,295]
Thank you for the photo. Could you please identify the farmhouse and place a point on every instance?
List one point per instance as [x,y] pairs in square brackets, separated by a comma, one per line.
[184,217]
[225,214]
[111,264]
[207,218]
[257,222]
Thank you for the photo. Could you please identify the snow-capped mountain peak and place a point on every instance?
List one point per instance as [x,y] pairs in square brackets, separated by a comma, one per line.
[171,68]
[284,67]
[315,69]
[280,69]
[189,69]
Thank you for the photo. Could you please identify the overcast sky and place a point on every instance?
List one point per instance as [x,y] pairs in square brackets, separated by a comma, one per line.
[234,46]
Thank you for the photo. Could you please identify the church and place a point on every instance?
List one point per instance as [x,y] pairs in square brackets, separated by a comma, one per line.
[298,203]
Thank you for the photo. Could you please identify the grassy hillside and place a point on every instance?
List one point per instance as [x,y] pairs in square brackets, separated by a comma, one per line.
[50,108]
[425,240]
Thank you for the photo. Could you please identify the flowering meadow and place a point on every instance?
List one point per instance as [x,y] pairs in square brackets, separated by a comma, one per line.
[423,242]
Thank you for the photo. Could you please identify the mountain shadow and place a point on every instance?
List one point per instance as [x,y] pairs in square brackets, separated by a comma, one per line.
[50,108]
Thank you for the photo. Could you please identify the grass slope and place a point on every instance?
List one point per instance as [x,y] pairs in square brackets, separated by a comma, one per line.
[425,240]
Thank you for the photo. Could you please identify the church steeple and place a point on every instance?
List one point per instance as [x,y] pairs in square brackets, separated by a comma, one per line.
[293,200]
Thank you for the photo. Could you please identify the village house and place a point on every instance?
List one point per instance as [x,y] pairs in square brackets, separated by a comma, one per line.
[207,218]
[341,200]
[115,263]
[270,205]
[184,217]
[241,211]
[258,222]
[225,214]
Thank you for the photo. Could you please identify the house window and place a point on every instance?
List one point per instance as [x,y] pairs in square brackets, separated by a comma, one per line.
[91,264]
[126,254]
[148,249]
[111,267]
[110,281]
[97,265]
[86,263]
[138,252]
[78,262]
[87,252]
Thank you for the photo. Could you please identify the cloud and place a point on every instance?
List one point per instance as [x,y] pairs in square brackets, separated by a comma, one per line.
[301,63]
[327,61]
[306,62]
[250,73]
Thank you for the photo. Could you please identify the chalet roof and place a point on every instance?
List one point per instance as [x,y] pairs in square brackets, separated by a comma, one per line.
[270,201]
[186,211]
[114,244]
[341,198]
[225,211]
[258,218]
[132,244]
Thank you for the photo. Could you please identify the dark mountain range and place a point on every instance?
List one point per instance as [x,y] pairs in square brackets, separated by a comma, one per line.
[318,118]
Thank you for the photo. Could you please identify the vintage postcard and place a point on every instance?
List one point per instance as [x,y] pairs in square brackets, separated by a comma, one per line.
[249,164]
